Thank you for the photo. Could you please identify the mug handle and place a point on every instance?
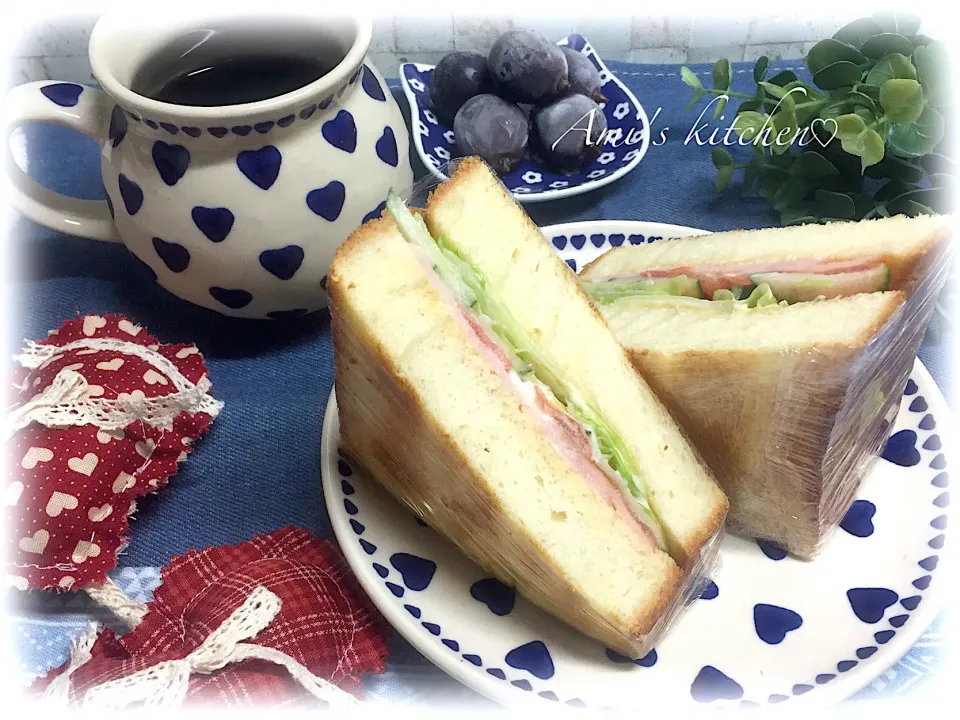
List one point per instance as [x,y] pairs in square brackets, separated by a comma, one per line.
[75,106]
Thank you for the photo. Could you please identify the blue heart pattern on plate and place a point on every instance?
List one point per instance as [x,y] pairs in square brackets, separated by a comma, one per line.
[627,126]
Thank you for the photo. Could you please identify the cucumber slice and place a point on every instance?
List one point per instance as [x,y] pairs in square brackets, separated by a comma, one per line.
[608,292]
[802,287]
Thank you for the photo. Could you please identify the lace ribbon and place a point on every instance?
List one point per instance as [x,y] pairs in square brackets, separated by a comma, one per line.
[67,401]
[166,684]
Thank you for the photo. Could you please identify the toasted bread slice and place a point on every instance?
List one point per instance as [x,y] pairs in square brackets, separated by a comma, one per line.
[476,216]
[436,427]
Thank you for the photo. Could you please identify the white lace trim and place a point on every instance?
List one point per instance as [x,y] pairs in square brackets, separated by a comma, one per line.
[110,596]
[58,691]
[68,402]
[166,684]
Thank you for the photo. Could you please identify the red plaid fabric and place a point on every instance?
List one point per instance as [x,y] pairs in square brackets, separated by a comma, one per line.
[71,491]
[326,622]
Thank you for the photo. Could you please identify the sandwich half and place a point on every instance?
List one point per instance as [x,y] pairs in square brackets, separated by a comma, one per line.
[505,414]
[783,352]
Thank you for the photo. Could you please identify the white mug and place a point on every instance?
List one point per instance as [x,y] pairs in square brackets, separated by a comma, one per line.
[237,208]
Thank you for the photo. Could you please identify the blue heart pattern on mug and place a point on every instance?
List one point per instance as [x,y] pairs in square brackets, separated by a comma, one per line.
[231,297]
[174,255]
[261,167]
[371,86]
[131,194]
[118,126]
[341,132]
[171,161]
[327,201]
[63,94]
[387,147]
[282,262]
[214,222]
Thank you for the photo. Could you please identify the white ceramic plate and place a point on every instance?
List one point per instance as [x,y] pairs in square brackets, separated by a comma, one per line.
[768,630]
[626,142]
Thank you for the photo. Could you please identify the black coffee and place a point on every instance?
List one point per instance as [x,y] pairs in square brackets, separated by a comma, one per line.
[233,67]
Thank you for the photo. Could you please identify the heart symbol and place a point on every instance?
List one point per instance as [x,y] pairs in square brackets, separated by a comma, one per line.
[215,223]
[118,126]
[417,572]
[772,550]
[17,581]
[372,215]
[901,449]
[145,448]
[616,240]
[92,323]
[84,550]
[217,131]
[111,365]
[532,657]
[711,684]
[387,147]
[187,352]
[371,86]
[283,262]
[261,167]
[171,161]
[823,122]
[123,482]
[129,328]
[94,390]
[648,660]
[341,132]
[773,622]
[36,543]
[598,239]
[174,255]
[96,514]
[59,502]
[560,242]
[498,598]
[66,582]
[152,377]
[63,94]
[105,436]
[578,241]
[327,202]
[85,465]
[233,299]
[13,492]
[36,455]
[869,604]
[859,519]
[74,367]
[131,194]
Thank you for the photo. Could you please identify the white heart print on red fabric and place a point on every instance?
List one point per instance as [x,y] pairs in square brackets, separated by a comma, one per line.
[75,486]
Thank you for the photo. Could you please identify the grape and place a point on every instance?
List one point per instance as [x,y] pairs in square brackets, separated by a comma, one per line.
[562,130]
[458,77]
[583,76]
[526,67]
[494,129]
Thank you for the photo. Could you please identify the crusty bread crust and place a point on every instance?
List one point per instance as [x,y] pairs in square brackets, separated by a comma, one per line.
[385,426]
[779,428]
[687,548]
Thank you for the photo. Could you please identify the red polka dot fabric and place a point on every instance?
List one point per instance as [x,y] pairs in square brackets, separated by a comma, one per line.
[325,623]
[71,491]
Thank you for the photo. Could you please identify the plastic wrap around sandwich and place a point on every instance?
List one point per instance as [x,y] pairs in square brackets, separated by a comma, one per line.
[783,352]
[477,384]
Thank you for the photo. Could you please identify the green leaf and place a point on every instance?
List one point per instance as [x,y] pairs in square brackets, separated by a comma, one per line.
[695,99]
[830,51]
[724,174]
[782,78]
[932,197]
[796,215]
[748,106]
[772,89]
[871,148]
[889,67]
[849,126]
[752,176]
[812,165]
[690,78]
[839,74]
[912,208]
[771,185]
[895,22]
[760,68]
[721,104]
[902,100]
[894,188]
[834,204]
[721,75]
[790,192]
[748,125]
[721,157]
[784,131]
[886,43]
[938,163]
[933,63]
[858,32]
[894,167]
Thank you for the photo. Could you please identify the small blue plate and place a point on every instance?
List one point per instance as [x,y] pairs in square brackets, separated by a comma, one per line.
[625,143]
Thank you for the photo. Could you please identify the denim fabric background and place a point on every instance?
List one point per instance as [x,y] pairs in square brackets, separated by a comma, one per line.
[258,467]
